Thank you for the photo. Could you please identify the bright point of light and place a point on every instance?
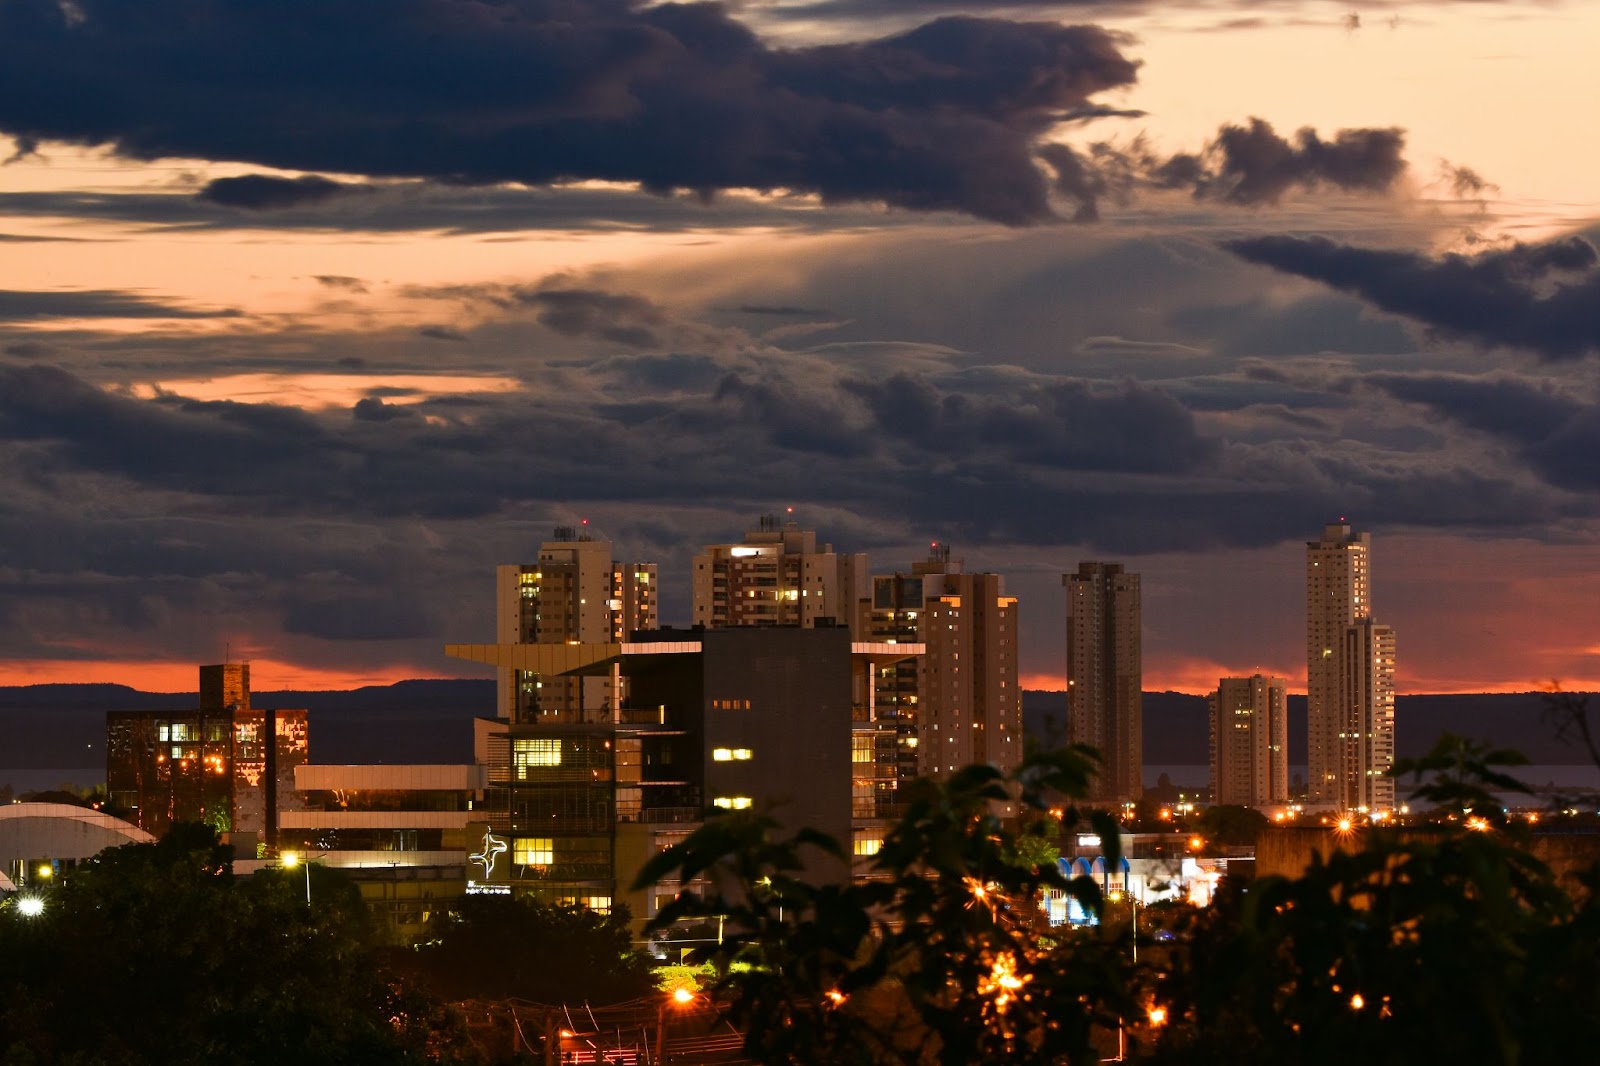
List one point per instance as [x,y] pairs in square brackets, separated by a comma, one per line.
[1345,825]
[290,859]
[835,996]
[1002,981]
[1356,1002]
[30,907]
[681,995]
[1158,1015]
[46,871]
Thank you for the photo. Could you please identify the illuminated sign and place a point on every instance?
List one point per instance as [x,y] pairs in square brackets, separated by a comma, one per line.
[493,848]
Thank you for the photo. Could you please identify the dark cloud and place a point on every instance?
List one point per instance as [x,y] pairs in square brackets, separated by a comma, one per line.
[411,207]
[178,443]
[1070,424]
[1556,433]
[1076,180]
[1544,298]
[441,333]
[1247,165]
[373,409]
[617,318]
[340,281]
[1257,166]
[792,418]
[673,96]
[24,306]
[263,192]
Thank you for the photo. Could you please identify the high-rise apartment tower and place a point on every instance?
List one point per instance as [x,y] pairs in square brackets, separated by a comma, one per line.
[777,576]
[1249,744]
[959,702]
[575,593]
[1350,664]
[1105,704]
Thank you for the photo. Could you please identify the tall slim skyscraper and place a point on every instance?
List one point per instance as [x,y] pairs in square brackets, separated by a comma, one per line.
[1349,677]
[1249,744]
[777,576]
[959,702]
[1367,695]
[576,592]
[1105,702]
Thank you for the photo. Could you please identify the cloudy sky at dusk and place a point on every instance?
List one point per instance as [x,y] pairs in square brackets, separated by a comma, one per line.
[312,312]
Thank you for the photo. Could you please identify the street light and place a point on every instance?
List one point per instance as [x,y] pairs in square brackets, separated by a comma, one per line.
[680,999]
[291,859]
[30,906]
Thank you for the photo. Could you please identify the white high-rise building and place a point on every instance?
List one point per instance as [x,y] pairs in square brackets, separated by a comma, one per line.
[1349,678]
[778,576]
[575,593]
[1249,743]
[1367,741]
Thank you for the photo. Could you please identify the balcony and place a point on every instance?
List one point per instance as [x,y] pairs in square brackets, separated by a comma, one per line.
[643,716]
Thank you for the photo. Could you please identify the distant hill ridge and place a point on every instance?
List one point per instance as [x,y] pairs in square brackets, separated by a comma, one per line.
[425,721]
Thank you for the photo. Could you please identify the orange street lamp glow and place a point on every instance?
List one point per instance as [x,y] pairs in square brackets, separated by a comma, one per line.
[682,996]
[1357,1002]
[1345,825]
[1002,981]
[1158,1015]
[836,997]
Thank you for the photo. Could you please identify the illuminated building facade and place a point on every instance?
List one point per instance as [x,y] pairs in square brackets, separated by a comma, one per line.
[777,719]
[959,702]
[1350,663]
[1366,692]
[1249,745]
[777,576]
[1105,702]
[224,762]
[575,592]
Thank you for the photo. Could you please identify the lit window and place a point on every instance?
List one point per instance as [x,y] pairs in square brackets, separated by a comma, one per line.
[535,751]
[733,803]
[868,847]
[534,851]
[730,754]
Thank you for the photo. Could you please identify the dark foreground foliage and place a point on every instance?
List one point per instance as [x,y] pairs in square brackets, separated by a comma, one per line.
[152,953]
[1449,943]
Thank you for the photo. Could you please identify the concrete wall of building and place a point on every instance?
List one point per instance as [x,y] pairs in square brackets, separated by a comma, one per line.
[797,726]
[312,777]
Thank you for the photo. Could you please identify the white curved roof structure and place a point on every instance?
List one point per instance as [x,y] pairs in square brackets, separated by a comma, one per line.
[59,831]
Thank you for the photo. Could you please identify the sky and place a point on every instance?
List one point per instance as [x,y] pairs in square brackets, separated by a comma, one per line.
[312,313]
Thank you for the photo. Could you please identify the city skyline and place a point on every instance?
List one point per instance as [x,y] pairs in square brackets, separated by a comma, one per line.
[290,360]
